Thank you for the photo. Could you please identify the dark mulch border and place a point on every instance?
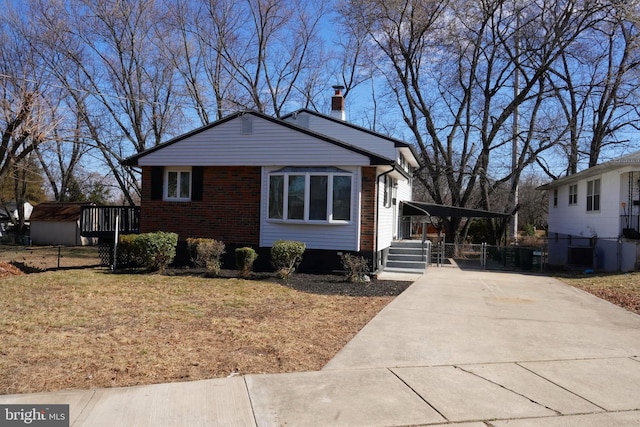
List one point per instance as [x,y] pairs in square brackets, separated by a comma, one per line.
[324,284]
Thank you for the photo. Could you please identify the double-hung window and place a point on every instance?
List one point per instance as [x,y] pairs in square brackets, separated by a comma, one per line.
[389,186]
[177,184]
[593,195]
[573,194]
[310,195]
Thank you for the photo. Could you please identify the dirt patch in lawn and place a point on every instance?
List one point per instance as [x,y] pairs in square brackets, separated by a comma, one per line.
[620,289]
[81,329]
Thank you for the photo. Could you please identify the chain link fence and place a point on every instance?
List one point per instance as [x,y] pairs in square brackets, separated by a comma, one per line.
[44,258]
[489,257]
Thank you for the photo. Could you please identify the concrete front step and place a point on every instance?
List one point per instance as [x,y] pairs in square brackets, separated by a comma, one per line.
[408,251]
[406,264]
[406,244]
[406,256]
[404,270]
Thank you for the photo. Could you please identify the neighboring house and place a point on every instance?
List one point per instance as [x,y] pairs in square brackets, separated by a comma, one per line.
[8,219]
[594,216]
[9,212]
[54,223]
[250,179]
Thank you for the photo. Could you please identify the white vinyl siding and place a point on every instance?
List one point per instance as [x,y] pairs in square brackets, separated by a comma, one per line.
[389,215]
[341,235]
[569,220]
[358,138]
[386,219]
[267,144]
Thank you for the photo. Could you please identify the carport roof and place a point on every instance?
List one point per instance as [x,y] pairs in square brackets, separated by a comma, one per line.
[432,209]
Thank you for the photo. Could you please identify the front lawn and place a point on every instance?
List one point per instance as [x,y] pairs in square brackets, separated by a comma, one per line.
[621,289]
[93,328]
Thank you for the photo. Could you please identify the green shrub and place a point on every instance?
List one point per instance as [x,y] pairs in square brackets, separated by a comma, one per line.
[529,230]
[357,267]
[128,251]
[245,257]
[286,256]
[206,253]
[154,251]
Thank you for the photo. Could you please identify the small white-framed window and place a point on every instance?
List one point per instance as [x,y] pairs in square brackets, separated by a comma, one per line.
[313,195]
[177,184]
[593,195]
[573,194]
[389,190]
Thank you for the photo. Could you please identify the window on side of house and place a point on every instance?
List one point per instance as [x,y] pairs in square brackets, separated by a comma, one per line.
[321,195]
[555,197]
[177,184]
[388,185]
[573,194]
[593,195]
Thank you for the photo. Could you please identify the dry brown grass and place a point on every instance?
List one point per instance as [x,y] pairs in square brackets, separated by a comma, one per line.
[92,328]
[41,258]
[620,289]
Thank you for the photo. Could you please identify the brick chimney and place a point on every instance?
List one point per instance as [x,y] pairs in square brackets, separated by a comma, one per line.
[337,103]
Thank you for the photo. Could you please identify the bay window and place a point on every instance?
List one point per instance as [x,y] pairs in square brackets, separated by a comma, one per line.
[310,195]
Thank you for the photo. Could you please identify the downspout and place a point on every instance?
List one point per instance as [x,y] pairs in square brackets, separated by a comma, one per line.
[376,245]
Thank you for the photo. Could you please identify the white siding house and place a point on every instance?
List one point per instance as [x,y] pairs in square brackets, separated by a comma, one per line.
[251,179]
[594,216]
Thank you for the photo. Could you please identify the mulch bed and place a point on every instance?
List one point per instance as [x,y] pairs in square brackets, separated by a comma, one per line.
[324,284]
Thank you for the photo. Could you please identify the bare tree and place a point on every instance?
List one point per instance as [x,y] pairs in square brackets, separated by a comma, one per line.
[461,72]
[596,88]
[116,75]
[60,157]
[23,124]
[201,31]
[275,53]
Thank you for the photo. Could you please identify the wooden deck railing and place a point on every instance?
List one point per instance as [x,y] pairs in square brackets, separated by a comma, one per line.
[100,221]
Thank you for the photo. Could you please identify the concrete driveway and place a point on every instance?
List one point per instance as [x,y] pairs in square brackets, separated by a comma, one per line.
[450,317]
[470,348]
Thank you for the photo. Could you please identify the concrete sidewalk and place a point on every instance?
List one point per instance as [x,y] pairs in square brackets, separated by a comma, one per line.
[473,348]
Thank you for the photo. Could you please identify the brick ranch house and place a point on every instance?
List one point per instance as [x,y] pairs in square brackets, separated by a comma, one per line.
[250,179]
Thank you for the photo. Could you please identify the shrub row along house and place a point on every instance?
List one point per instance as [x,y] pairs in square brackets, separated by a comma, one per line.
[594,216]
[250,179]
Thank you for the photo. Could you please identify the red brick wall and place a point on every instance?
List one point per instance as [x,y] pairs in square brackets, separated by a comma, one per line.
[368,213]
[229,210]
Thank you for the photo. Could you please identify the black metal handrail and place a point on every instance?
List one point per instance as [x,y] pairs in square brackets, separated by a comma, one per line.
[425,249]
[630,226]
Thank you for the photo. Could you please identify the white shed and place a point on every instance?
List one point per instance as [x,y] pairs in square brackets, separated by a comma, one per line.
[54,223]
